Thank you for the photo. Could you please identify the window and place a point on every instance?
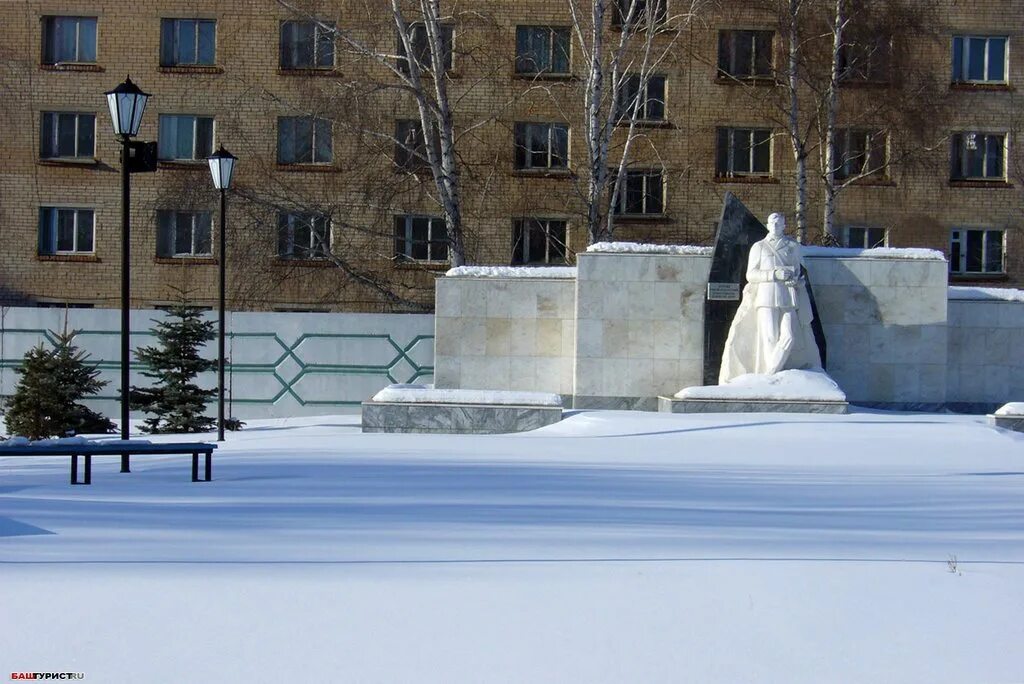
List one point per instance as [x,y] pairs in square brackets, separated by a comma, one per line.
[979,59]
[864,237]
[542,50]
[185,137]
[307,45]
[640,193]
[420,42]
[303,140]
[542,145]
[649,104]
[183,234]
[538,241]
[866,59]
[978,156]
[69,39]
[744,152]
[303,235]
[410,146]
[67,135]
[66,231]
[745,54]
[860,153]
[187,42]
[421,238]
[976,251]
[640,12]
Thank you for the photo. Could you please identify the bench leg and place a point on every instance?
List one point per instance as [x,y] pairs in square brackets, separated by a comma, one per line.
[209,466]
[195,467]
[88,469]
[74,469]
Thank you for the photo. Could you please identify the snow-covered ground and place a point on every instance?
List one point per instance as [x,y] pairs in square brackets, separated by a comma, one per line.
[612,547]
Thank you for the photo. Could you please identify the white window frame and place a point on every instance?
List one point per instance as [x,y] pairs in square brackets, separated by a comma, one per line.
[958,236]
[313,147]
[522,249]
[315,250]
[867,234]
[548,69]
[526,127]
[52,229]
[730,170]
[433,223]
[50,21]
[965,58]
[964,140]
[319,33]
[173,237]
[52,144]
[176,23]
[646,175]
[196,154]
[733,36]
[842,153]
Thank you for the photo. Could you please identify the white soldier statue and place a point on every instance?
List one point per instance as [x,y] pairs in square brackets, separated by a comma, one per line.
[771,331]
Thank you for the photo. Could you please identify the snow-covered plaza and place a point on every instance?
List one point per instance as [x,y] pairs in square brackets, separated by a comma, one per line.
[612,546]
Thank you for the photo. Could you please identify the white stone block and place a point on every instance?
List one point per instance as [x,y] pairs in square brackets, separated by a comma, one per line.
[448,300]
[588,377]
[523,336]
[498,299]
[474,297]
[665,301]
[616,338]
[474,336]
[641,339]
[498,331]
[523,376]
[640,301]
[667,339]
[447,372]
[549,337]
[639,378]
[590,340]
[691,342]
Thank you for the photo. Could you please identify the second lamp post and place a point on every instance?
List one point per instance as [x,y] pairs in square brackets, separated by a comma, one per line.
[222,166]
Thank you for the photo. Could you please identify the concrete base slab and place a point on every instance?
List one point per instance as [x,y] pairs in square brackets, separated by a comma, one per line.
[673,405]
[474,419]
[1015,423]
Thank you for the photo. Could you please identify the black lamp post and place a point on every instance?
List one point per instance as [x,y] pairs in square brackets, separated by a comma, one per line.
[127,103]
[222,166]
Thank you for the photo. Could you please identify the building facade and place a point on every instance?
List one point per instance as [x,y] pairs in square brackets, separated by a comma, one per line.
[328,213]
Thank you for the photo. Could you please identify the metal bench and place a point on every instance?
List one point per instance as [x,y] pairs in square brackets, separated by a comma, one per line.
[115,448]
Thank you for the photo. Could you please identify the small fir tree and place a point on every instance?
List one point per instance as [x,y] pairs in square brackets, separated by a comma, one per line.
[177,403]
[53,382]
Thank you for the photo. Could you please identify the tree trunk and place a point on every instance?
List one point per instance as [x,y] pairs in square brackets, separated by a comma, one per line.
[798,143]
[831,108]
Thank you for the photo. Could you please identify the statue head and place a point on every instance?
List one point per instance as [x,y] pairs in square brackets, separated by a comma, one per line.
[776,225]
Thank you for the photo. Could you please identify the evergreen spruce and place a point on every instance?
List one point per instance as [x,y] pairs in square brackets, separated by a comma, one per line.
[53,382]
[177,403]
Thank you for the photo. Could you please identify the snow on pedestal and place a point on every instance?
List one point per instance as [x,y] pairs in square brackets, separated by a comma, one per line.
[1009,416]
[800,385]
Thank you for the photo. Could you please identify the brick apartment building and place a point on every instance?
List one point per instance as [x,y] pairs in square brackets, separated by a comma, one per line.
[325,215]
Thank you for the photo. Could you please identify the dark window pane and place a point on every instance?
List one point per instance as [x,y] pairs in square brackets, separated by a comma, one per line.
[66,137]
[303,140]
[203,237]
[634,193]
[762,152]
[186,51]
[87,40]
[994,156]
[207,42]
[86,135]
[996,59]
[654,190]
[560,146]
[285,140]
[47,147]
[975,249]
[744,58]
[958,58]
[856,237]
[165,233]
[185,126]
[324,47]
[656,98]
[722,152]
[976,59]
[166,42]
[957,157]
[876,237]
[562,46]
[183,233]
[85,224]
[993,251]
[304,45]
[741,140]
[520,145]
[725,51]
[204,137]
[65,230]
[284,239]
[324,145]
[556,242]
[302,236]
[763,53]
[518,228]
[67,40]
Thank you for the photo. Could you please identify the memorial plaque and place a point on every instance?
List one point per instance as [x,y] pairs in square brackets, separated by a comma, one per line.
[724,292]
[738,229]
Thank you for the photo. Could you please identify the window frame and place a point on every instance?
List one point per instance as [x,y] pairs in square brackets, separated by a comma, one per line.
[521,232]
[731,36]
[958,251]
[403,223]
[552,51]
[315,251]
[729,171]
[522,138]
[175,35]
[49,219]
[639,20]
[427,66]
[867,230]
[842,154]
[50,29]
[313,141]
[621,200]
[320,36]
[626,88]
[961,71]
[55,136]
[959,152]
[169,220]
[196,156]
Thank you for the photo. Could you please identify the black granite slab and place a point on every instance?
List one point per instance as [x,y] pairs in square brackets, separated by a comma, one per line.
[738,230]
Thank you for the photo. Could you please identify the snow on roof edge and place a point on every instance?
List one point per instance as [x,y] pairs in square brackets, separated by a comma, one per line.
[555,272]
[972,293]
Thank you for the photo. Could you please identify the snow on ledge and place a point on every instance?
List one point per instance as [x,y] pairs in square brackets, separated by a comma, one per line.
[1014,408]
[918,253]
[512,272]
[643,248]
[986,293]
[422,394]
[790,385]
[17,441]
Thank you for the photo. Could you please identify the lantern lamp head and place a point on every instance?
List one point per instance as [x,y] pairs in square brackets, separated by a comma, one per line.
[222,167]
